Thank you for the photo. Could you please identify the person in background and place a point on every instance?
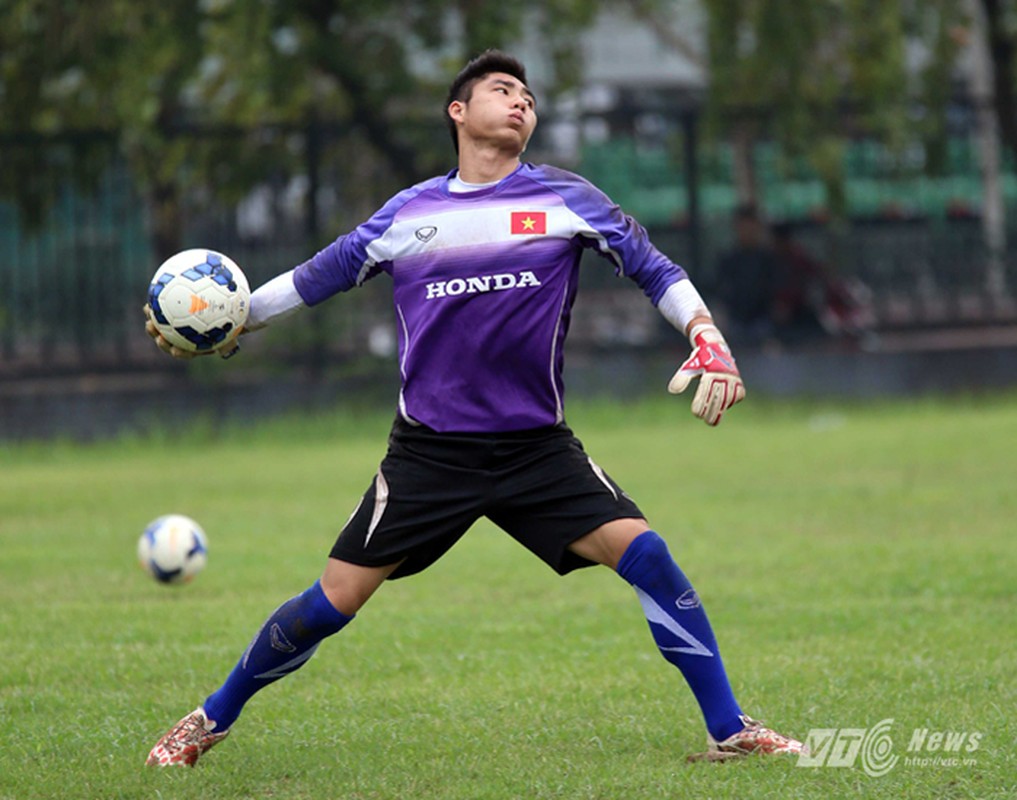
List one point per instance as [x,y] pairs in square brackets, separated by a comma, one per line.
[812,302]
[747,280]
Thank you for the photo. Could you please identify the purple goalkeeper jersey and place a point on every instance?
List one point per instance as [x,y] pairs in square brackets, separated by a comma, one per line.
[483,286]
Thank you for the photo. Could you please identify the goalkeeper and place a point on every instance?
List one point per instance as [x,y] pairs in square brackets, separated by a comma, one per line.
[484,266]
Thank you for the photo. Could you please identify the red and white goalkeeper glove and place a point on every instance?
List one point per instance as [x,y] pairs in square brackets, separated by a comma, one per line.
[720,385]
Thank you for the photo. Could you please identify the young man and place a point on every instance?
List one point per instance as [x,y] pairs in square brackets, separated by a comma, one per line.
[484,264]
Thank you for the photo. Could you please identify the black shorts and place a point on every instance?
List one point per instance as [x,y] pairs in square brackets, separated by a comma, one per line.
[539,486]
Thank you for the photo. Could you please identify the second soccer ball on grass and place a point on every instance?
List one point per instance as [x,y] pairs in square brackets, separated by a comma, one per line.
[173,549]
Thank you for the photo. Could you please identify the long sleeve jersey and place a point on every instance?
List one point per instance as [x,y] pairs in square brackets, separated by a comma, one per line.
[483,287]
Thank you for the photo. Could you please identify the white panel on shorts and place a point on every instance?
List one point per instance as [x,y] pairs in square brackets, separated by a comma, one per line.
[602,477]
[380,504]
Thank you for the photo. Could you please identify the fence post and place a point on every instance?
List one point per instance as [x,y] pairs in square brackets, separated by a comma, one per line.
[312,152]
[691,133]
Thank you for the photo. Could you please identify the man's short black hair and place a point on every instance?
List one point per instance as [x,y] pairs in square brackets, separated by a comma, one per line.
[462,87]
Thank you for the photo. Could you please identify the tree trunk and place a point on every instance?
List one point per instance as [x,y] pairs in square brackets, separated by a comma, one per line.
[166,223]
[1001,51]
[743,142]
[993,210]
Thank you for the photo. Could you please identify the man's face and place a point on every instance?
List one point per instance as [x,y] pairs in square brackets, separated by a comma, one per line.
[500,109]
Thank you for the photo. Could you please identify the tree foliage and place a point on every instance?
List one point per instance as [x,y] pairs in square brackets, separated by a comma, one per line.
[811,75]
[150,75]
[153,73]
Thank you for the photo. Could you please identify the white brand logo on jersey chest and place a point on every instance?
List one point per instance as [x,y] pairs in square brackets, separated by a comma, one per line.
[481,283]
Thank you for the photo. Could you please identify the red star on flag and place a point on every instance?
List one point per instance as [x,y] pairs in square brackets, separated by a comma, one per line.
[529,222]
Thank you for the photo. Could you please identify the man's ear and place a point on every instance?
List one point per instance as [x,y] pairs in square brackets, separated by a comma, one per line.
[455,110]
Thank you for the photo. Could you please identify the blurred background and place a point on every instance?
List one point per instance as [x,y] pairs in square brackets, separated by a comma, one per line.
[837,177]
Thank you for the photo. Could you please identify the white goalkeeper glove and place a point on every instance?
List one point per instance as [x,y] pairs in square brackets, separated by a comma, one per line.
[720,385]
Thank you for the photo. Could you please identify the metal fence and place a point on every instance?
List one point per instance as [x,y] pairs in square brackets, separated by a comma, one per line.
[71,289]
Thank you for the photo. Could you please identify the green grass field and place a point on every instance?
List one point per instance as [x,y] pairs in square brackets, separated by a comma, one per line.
[857,562]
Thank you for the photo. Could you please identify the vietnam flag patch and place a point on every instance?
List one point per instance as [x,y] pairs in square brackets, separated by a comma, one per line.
[529,222]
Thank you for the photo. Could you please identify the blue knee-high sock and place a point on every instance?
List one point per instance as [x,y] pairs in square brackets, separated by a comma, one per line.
[681,630]
[285,642]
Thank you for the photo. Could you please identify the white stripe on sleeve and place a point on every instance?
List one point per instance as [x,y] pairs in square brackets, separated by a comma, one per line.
[273,301]
[681,303]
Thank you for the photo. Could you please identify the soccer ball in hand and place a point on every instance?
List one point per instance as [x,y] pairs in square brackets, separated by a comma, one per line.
[173,549]
[199,300]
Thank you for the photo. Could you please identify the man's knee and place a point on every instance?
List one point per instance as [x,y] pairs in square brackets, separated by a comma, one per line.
[348,586]
[608,543]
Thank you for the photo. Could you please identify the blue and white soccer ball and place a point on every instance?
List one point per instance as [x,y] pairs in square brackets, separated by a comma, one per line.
[199,299]
[173,549]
